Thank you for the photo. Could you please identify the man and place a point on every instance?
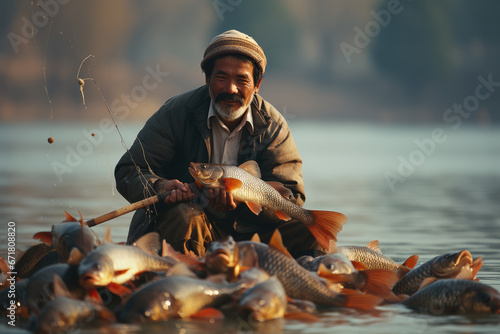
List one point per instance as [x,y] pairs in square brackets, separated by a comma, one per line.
[227,122]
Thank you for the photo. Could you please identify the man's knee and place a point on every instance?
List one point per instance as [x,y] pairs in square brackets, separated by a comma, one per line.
[185,215]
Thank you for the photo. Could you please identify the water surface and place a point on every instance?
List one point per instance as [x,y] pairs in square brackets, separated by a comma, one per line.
[448,202]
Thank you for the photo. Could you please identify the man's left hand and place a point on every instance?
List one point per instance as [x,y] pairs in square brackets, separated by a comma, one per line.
[221,200]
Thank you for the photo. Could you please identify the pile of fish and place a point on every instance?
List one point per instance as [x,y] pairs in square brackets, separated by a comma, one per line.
[73,280]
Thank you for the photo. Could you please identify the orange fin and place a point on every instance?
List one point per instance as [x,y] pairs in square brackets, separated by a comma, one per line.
[208,313]
[283,216]
[45,237]
[427,281]
[231,184]
[118,289]
[302,316]
[326,226]
[69,218]
[120,272]
[379,282]
[374,245]
[277,243]
[411,262]
[256,208]
[359,265]
[107,236]
[94,296]
[255,238]
[362,301]
[252,167]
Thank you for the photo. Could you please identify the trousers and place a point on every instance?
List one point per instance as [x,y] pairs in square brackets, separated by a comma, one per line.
[186,227]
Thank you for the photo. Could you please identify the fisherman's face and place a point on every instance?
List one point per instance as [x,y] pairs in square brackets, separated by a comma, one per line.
[232,87]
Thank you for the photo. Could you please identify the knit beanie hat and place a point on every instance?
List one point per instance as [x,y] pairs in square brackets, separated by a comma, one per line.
[231,42]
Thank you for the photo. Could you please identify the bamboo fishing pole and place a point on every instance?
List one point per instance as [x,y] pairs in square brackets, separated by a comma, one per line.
[126,209]
[131,207]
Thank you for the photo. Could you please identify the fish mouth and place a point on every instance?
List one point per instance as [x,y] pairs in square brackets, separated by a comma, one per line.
[457,266]
[88,281]
[220,253]
[193,169]
[463,258]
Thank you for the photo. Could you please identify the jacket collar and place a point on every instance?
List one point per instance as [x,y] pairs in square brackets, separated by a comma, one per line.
[199,106]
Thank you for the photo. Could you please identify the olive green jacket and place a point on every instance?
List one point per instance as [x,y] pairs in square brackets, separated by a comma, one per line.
[177,134]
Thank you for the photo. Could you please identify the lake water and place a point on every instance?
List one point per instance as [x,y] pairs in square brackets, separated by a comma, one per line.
[397,184]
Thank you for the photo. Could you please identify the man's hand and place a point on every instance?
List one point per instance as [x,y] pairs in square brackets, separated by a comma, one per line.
[181,192]
[221,200]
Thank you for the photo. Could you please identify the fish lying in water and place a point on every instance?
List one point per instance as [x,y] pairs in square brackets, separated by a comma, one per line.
[455,296]
[245,184]
[452,265]
[112,264]
[29,261]
[298,282]
[68,235]
[265,301]
[64,312]
[39,289]
[222,257]
[339,269]
[370,257]
[175,297]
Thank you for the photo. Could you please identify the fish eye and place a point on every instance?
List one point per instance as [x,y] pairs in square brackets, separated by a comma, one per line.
[98,266]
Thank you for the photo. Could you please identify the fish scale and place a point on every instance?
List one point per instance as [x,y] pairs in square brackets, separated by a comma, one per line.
[297,281]
[368,257]
[442,266]
[130,259]
[249,188]
[175,297]
[455,295]
[257,190]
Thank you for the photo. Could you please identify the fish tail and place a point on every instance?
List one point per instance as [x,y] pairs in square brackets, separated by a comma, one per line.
[379,281]
[326,225]
[362,301]
[408,265]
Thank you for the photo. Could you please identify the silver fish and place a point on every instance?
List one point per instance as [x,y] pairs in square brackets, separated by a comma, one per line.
[245,184]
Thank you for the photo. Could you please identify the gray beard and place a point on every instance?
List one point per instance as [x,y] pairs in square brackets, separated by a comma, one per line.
[227,114]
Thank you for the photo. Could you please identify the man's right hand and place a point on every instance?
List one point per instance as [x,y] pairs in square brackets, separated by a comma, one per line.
[181,192]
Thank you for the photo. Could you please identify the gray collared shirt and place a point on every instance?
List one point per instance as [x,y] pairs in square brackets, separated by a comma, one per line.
[225,143]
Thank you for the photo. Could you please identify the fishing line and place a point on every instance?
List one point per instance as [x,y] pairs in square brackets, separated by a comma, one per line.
[44,66]
[141,177]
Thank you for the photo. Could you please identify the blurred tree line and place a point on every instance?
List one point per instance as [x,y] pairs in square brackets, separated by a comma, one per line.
[454,34]
[427,57]
[432,51]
